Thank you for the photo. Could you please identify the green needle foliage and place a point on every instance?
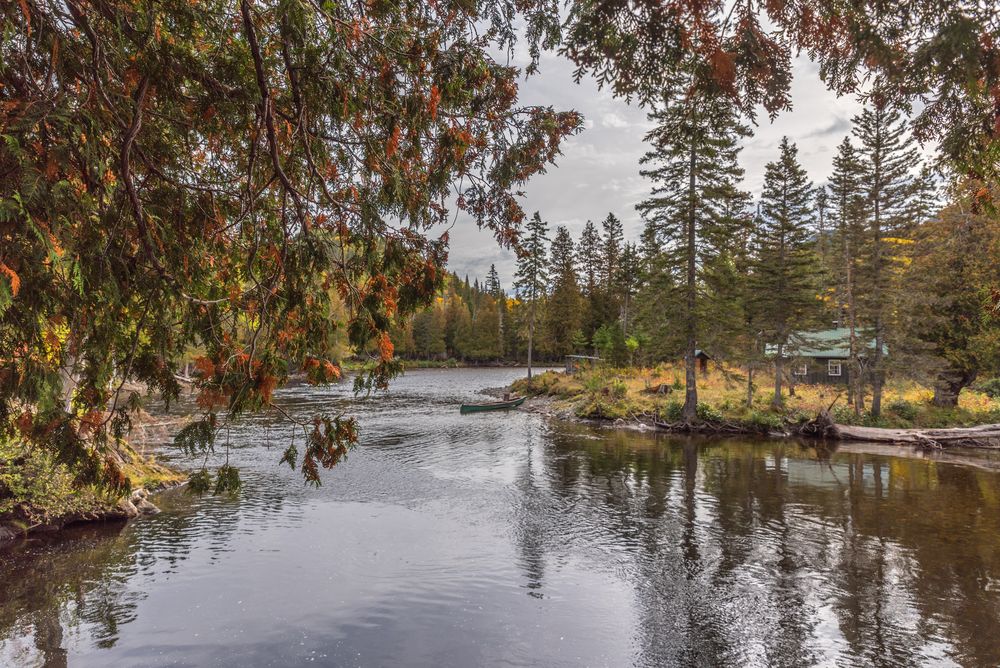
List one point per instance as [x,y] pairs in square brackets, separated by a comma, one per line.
[253,179]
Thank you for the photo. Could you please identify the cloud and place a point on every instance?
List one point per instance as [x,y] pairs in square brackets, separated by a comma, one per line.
[839,126]
[613,120]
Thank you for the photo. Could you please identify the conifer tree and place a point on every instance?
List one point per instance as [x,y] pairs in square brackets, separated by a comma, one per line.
[785,272]
[611,251]
[629,270]
[692,162]
[562,314]
[590,254]
[494,290]
[532,274]
[888,156]
[847,215]
[589,258]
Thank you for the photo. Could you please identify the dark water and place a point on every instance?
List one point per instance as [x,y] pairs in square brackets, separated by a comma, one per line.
[504,539]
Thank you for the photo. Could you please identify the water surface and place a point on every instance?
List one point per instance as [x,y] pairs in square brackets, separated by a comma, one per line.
[507,539]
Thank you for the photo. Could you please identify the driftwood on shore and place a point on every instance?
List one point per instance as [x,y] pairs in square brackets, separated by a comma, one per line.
[981,436]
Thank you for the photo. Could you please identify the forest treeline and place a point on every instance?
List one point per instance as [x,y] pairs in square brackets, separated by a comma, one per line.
[904,261]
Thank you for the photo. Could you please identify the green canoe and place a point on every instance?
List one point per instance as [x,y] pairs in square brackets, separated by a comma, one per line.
[495,406]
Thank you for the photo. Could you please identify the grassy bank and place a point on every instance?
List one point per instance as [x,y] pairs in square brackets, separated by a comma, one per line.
[629,394]
[38,493]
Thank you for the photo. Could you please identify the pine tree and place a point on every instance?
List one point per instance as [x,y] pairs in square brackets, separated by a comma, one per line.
[888,156]
[562,313]
[590,263]
[611,251]
[847,215]
[785,279]
[693,165]
[494,290]
[629,270]
[589,258]
[532,274]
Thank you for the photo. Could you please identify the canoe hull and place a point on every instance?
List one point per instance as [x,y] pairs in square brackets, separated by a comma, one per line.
[496,406]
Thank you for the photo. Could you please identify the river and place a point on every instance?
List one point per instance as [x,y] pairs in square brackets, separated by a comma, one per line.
[510,539]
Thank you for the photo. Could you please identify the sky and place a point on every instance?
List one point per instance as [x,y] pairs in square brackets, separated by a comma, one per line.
[598,172]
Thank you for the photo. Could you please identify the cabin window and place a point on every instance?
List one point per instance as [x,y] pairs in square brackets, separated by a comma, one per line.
[800,370]
[833,368]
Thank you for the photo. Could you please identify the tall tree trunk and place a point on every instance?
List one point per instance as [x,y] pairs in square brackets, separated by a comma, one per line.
[877,371]
[531,336]
[949,385]
[690,412]
[778,372]
[749,386]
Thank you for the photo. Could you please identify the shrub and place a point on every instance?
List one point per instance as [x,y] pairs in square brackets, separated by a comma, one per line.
[990,388]
[764,420]
[709,413]
[903,409]
[673,411]
[617,389]
[677,384]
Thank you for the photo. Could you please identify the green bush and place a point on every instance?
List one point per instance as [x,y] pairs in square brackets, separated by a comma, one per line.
[764,420]
[673,411]
[844,415]
[677,384]
[989,387]
[709,413]
[617,389]
[34,486]
[903,409]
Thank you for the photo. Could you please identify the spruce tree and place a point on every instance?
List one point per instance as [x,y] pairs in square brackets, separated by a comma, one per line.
[847,215]
[692,162]
[611,251]
[888,156]
[532,273]
[627,282]
[494,290]
[562,315]
[590,254]
[785,273]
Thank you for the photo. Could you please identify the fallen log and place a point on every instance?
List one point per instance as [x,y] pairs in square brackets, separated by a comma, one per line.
[981,436]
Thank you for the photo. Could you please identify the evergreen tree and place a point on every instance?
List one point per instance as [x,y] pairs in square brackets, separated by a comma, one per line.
[888,156]
[562,313]
[692,162]
[956,276]
[532,274]
[590,263]
[589,258]
[611,251]
[785,279]
[494,290]
[627,282]
[847,214]
[492,285]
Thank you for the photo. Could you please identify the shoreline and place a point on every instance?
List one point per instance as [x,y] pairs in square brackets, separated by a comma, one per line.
[66,505]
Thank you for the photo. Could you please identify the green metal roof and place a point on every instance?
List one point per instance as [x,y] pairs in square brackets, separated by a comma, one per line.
[826,343]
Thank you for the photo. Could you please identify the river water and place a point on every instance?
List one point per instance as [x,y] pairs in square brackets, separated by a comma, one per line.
[510,539]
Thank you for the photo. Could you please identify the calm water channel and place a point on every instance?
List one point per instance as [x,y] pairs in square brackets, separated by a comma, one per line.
[507,539]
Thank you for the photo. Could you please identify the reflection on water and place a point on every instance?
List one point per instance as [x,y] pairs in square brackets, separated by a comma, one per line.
[503,538]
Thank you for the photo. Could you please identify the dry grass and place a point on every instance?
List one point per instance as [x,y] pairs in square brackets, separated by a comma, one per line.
[622,393]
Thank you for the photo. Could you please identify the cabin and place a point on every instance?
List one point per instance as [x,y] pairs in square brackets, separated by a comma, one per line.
[824,357]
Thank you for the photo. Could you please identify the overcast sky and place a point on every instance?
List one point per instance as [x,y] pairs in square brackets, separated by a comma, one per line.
[599,169]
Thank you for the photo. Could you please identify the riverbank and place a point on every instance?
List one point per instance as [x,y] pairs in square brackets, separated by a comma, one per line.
[38,493]
[648,398]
